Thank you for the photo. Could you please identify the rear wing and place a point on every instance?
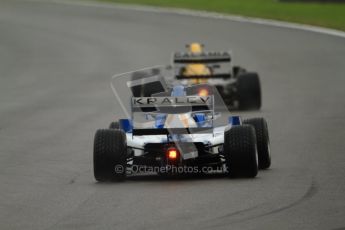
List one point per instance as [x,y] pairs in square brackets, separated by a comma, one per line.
[213,76]
[202,58]
[158,82]
[212,61]
[171,105]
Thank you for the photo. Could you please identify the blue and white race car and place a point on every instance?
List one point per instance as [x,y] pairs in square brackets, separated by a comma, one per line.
[176,129]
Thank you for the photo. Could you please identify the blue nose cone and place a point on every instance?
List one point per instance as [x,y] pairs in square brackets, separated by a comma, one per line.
[178,91]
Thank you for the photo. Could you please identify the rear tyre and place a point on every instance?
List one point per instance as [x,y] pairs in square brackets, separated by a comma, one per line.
[114,125]
[262,141]
[109,155]
[248,91]
[240,151]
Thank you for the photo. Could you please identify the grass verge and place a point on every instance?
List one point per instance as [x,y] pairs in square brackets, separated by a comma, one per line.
[330,15]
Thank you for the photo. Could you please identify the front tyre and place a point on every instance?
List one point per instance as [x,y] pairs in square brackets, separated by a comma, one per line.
[263,141]
[110,155]
[240,151]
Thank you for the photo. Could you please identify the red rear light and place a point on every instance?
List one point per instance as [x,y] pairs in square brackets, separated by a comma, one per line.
[172,154]
[203,92]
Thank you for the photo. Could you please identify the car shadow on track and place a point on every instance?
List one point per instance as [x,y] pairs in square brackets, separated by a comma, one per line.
[178,178]
[156,177]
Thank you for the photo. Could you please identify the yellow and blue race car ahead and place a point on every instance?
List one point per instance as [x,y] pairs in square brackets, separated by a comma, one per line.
[239,88]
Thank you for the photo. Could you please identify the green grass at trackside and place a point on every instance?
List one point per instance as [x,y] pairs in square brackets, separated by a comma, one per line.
[321,14]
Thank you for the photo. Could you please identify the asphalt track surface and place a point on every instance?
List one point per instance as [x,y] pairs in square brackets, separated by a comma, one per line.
[56,62]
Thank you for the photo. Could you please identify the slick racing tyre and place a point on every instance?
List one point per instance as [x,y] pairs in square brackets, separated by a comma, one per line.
[240,151]
[263,141]
[114,125]
[109,155]
[248,91]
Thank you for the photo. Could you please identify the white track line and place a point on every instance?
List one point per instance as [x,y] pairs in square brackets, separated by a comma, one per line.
[203,14]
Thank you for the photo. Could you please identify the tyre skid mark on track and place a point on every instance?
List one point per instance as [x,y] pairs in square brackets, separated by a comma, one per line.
[239,212]
[312,190]
[77,175]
